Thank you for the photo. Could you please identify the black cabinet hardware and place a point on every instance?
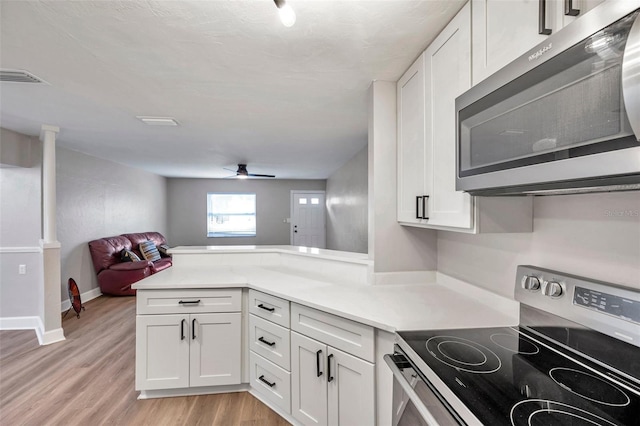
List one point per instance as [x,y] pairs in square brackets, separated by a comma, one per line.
[330,378]
[318,372]
[266,342]
[189,302]
[182,329]
[424,207]
[569,10]
[268,383]
[193,329]
[266,308]
[542,18]
[418,215]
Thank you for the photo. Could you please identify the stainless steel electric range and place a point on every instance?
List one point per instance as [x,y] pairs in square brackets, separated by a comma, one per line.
[573,360]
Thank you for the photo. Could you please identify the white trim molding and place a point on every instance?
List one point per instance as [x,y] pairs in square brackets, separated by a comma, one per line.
[85,297]
[35,324]
[20,250]
[51,336]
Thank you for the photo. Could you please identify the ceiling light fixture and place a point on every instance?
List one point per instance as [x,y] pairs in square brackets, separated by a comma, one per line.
[287,15]
[158,121]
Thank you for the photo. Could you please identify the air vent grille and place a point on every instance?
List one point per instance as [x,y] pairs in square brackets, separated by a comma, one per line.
[19,76]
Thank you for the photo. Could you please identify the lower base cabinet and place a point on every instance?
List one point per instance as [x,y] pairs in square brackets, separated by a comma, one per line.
[271,381]
[187,350]
[329,386]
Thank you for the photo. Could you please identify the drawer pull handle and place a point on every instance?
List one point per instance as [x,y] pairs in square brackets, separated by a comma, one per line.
[542,18]
[329,368]
[266,342]
[189,302]
[193,329]
[268,383]
[318,372]
[182,329]
[266,308]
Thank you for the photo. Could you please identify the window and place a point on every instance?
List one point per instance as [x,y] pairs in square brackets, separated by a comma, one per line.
[231,215]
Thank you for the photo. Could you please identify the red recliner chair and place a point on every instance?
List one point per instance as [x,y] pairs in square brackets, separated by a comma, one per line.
[115,277]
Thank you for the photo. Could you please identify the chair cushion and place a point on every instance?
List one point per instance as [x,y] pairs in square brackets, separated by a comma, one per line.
[149,251]
[106,251]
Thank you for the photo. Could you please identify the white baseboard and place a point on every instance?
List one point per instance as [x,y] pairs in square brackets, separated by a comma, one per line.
[85,297]
[35,324]
[201,390]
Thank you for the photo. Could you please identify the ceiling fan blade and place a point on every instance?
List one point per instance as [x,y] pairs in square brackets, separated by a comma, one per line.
[229,170]
[267,176]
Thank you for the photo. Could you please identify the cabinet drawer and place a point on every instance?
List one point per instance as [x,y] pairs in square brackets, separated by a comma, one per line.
[271,381]
[270,340]
[188,301]
[349,336]
[269,307]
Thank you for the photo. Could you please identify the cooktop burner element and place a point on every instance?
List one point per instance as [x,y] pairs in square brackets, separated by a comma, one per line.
[539,412]
[589,387]
[516,344]
[463,354]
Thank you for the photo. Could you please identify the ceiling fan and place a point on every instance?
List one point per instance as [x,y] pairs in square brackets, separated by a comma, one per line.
[242,173]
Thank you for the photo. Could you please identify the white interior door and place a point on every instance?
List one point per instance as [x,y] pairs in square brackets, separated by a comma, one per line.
[308,219]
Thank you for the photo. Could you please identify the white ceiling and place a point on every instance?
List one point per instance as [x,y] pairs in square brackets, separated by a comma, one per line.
[287,101]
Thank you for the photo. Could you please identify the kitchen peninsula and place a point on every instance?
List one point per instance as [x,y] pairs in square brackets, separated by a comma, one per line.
[294,326]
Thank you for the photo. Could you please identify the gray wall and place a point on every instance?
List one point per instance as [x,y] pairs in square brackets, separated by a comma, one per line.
[187,209]
[593,235]
[98,198]
[20,227]
[347,206]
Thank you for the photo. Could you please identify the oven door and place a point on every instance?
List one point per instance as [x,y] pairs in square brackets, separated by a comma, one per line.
[414,403]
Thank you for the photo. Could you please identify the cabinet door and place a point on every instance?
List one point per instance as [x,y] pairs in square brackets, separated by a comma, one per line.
[215,357]
[447,75]
[411,142]
[582,6]
[162,351]
[308,380]
[504,30]
[351,390]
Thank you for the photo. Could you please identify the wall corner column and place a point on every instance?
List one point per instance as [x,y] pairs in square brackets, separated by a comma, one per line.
[51,331]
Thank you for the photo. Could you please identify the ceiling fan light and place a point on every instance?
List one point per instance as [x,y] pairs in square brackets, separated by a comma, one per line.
[287,15]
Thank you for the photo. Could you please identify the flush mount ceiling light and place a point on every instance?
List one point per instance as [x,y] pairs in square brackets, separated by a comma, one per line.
[287,15]
[158,121]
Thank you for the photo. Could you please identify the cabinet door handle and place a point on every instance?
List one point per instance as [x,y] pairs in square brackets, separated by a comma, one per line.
[182,329]
[318,372]
[268,383]
[193,329]
[418,216]
[569,10]
[266,308]
[330,378]
[189,302]
[266,342]
[542,18]
[424,207]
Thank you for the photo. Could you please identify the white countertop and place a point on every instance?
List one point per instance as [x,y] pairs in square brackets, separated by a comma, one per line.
[443,303]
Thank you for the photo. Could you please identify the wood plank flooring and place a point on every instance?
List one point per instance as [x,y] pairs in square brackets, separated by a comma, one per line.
[89,379]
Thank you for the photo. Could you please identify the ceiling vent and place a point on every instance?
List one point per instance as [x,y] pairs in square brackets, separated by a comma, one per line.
[158,121]
[19,76]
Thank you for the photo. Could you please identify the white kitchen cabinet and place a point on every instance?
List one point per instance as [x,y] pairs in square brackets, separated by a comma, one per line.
[180,348]
[330,387]
[411,143]
[504,30]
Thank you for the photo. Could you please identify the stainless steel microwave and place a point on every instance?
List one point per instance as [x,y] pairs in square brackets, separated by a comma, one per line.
[563,117]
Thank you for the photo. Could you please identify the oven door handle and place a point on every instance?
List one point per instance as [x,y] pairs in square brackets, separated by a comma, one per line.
[408,389]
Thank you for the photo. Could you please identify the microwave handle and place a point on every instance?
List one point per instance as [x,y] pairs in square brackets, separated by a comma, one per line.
[408,389]
[631,77]
[542,18]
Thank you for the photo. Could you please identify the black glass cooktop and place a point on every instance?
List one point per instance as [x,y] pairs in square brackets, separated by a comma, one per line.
[506,377]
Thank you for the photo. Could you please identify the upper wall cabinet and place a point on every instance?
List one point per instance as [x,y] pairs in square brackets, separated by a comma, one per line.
[427,143]
[504,30]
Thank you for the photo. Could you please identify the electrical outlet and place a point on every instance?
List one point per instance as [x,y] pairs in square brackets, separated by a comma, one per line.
[22,269]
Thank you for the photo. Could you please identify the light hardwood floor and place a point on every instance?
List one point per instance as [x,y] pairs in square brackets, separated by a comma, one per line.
[89,379]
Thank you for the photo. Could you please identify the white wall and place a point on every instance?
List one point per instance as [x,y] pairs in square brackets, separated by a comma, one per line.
[187,209]
[20,228]
[98,198]
[347,205]
[592,235]
[394,248]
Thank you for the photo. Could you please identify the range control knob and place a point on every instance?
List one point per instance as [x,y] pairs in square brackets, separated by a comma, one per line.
[531,283]
[552,289]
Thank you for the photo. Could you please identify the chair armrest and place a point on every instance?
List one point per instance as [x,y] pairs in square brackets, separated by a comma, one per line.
[131,266]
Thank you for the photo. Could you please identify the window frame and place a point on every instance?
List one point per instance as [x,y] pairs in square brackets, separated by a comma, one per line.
[231,234]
